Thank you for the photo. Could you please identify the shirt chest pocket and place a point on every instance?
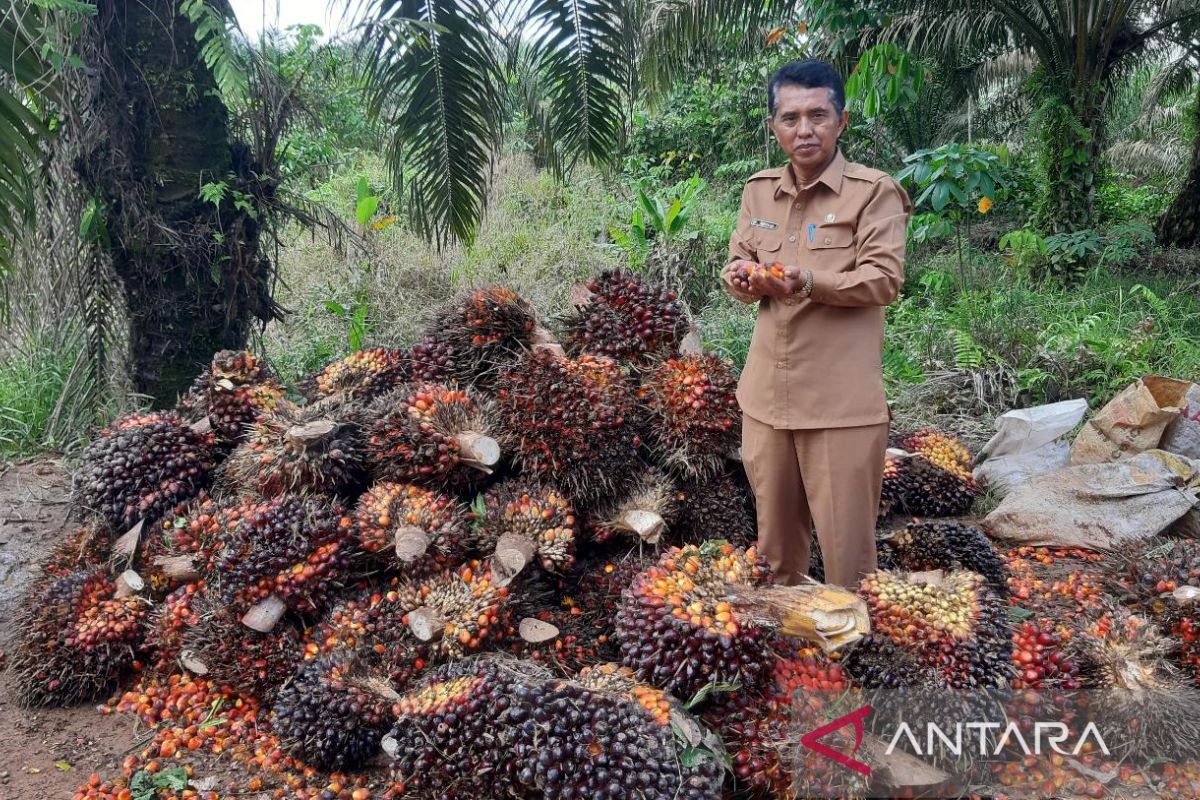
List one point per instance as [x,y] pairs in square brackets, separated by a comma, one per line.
[767,245]
[831,237]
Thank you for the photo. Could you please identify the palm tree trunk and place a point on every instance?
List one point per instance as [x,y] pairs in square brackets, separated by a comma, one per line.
[190,269]
[1179,226]
[1070,136]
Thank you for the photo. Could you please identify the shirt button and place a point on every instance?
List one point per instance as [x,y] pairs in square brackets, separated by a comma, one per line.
[789,301]
[792,238]
[780,364]
[828,240]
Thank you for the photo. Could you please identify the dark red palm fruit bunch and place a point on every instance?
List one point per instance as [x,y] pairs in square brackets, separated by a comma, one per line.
[645,509]
[432,360]
[334,712]
[232,393]
[482,332]
[947,545]
[75,640]
[194,535]
[522,522]
[314,449]
[432,435]
[215,646]
[167,622]
[720,506]
[761,724]
[297,550]
[628,319]
[603,736]
[693,420]
[570,421]
[677,632]
[931,478]
[361,376]
[141,466]
[419,530]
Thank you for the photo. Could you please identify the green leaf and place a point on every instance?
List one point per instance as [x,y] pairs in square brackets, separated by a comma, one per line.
[941,195]
[63,765]
[334,307]
[709,689]
[175,779]
[362,189]
[366,209]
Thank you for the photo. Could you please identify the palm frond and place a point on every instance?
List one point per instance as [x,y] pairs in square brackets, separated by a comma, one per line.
[1148,160]
[436,78]
[581,66]
[215,25]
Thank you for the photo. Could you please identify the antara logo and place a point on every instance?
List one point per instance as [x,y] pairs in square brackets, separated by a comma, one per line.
[812,739]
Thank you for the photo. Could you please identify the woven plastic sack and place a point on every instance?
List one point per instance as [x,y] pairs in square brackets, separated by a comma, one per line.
[1028,442]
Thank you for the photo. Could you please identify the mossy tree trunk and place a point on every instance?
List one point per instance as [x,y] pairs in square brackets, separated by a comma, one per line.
[1069,133]
[190,268]
[1179,226]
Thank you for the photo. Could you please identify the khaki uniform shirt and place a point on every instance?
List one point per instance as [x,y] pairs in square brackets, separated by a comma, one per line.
[817,362]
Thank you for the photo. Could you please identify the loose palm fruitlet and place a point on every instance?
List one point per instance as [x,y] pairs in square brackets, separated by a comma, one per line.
[141,466]
[1144,705]
[294,549]
[362,375]
[315,448]
[953,628]
[716,507]
[570,421]
[215,646]
[948,545]
[461,611]
[233,393]
[694,420]
[644,511]
[1041,657]
[433,435]
[484,331]
[489,729]
[523,522]
[75,641]
[421,530]
[334,712]
[628,319]
[678,632]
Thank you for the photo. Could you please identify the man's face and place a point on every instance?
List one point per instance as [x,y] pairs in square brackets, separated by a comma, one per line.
[807,126]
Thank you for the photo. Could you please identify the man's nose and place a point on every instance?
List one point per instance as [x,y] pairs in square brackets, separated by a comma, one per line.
[804,127]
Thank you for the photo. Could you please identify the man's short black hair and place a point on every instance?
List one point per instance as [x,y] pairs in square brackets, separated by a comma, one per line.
[809,74]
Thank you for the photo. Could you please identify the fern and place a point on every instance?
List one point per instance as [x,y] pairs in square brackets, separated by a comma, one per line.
[214,33]
[967,352]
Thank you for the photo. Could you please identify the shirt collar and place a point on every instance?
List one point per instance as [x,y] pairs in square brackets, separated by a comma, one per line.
[831,176]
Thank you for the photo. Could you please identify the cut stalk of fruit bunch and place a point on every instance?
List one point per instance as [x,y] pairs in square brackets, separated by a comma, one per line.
[642,512]
[522,522]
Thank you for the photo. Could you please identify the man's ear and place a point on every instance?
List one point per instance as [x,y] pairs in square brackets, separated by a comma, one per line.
[844,121]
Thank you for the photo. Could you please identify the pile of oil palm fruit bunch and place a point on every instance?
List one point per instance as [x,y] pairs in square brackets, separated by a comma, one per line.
[490,565]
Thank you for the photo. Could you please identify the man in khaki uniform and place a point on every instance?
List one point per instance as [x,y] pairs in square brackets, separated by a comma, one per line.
[815,417]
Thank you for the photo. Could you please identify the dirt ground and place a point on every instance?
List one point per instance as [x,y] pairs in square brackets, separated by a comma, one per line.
[44,754]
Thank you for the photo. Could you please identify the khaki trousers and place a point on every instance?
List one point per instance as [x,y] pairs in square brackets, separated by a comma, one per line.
[831,477]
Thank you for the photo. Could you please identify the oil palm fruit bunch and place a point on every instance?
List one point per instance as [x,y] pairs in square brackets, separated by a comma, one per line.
[677,630]
[251,662]
[1144,705]
[290,552]
[233,393]
[433,435]
[487,728]
[524,522]
[720,506]
[421,530]
[484,330]
[693,418]
[316,448]
[626,318]
[75,640]
[941,449]
[760,725]
[167,623]
[645,510]
[922,546]
[432,360]
[194,535]
[462,611]
[570,421]
[952,626]
[912,484]
[141,466]
[362,376]
[334,712]
[1155,569]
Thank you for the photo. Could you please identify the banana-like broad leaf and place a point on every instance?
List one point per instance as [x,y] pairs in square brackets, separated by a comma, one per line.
[583,65]
[436,78]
